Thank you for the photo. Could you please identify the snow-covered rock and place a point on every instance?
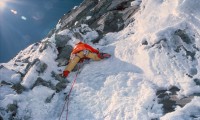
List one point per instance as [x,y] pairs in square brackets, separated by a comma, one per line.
[153,72]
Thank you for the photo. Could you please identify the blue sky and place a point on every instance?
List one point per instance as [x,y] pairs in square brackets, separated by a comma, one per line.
[23,22]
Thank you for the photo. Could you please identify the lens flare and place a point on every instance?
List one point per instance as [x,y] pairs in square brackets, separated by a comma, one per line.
[23,18]
[2,4]
[13,11]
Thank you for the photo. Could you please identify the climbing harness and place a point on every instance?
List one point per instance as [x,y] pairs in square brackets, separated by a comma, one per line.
[86,52]
[67,97]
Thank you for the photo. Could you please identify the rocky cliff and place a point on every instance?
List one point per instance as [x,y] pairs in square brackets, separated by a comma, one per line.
[153,72]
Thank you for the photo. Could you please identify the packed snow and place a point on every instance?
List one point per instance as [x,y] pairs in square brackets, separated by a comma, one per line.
[147,55]
[88,17]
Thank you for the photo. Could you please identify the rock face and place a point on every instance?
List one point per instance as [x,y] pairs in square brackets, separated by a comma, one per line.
[35,68]
[167,98]
[104,16]
[182,45]
[170,100]
[93,18]
[64,55]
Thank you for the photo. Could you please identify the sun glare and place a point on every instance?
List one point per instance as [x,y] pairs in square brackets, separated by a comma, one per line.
[2,4]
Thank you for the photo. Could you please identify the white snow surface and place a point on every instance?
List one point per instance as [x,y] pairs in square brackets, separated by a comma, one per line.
[124,86]
[88,17]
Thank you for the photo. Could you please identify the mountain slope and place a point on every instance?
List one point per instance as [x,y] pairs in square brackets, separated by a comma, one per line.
[153,72]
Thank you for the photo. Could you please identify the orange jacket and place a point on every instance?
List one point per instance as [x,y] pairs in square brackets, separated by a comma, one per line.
[82,46]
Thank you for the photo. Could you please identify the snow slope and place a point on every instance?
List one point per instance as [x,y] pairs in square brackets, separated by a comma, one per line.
[160,49]
[124,86]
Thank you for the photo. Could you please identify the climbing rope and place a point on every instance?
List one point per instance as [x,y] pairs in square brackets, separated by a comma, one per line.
[67,97]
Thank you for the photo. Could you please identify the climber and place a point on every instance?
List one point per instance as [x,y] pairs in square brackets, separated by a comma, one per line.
[80,52]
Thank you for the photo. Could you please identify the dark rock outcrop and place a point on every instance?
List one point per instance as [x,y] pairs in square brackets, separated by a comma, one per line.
[105,15]
[62,81]
[41,67]
[64,55]
[5,83]
[197,81]
[144,42]
[61,85]
[57,76]
[167,98]
[185,43]
[193,71]
[44,46]
[42,82]
[170,100]
[12,108]
[18,88]
[48,100]
[184,36]
[61,40]
[58,87]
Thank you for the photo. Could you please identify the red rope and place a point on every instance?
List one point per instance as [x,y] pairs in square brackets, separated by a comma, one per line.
[67,100]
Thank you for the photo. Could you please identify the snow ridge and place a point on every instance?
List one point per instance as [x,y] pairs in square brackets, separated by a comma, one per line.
[153,72]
